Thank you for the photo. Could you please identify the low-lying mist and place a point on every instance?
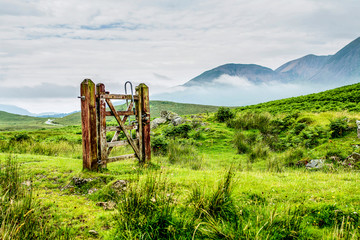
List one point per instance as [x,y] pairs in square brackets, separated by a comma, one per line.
[235,91]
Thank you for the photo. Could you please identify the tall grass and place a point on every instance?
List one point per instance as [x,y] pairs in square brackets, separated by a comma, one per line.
[184,154]
[20,214]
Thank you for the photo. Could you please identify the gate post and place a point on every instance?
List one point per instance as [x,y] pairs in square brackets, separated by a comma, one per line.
[144,115]
[88,122]
[101,116]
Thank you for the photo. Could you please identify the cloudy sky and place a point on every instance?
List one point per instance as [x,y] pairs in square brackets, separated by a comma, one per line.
[47,47]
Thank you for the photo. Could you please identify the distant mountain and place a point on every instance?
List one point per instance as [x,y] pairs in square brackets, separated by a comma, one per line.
[302,69]
[343,67]
[339,69]
[14,109]
[254,73]
[21,111]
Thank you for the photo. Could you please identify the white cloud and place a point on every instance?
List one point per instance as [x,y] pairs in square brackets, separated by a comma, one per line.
[234,81]
[62,41]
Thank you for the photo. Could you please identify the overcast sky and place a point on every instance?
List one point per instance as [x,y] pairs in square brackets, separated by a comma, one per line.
[47,47]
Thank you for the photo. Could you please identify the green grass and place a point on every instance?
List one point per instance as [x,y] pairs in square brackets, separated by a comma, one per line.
[197,186]
[338,99]
[10,122]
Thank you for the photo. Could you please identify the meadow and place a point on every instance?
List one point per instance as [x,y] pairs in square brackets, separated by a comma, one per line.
[233,174]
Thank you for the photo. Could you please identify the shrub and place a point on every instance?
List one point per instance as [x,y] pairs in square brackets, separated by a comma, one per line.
[241,143]
[313,136]
[159,144]
[252,120]
[292,156]
[181,131]
[223,114]
[338,127]
[20,137]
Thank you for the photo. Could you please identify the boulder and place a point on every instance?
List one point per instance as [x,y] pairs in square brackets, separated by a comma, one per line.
[119,185]
[167,116]
[315,164]
[177,120]
[156,122]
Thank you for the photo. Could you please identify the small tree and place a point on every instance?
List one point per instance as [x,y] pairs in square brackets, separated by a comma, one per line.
[223,114]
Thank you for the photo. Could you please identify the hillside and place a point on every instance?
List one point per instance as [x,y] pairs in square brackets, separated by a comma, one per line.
[155,108]
[338,99]
[9,121]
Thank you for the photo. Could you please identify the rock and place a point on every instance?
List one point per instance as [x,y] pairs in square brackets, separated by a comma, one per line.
[156,122]
[107,205]
[81,181]
[315,163]
[93,232]
[92,190]
[358,128]
[167,116]
[177,121]
[119,185]
[27,183]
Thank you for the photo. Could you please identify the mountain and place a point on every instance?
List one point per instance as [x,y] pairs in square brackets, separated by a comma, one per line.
[21,111]
[303,68]
[251,72]
[343,67]
[339,69]
[14,109]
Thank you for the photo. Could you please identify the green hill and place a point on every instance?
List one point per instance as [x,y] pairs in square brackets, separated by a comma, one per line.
[9,121]
[155,108]
[338,99]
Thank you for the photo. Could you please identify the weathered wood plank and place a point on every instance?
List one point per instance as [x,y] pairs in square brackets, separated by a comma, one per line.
[121,113]
[88,123]
[122,126]
[139,132]
[101,110]
[119,158]
[118,96]
[119,143]
[145,106]
[117,128]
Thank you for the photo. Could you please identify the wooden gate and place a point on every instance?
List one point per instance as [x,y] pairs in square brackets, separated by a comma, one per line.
[94,103]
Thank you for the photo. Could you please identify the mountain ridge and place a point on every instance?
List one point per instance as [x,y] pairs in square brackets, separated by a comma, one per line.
[341,68]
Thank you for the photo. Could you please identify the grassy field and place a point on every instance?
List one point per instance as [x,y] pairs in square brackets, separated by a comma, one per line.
[226,175]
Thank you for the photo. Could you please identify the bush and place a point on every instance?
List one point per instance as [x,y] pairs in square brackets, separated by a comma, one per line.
[181,131]
[313,136]
[252,120]
[159,144]
[338,127]
[241,143]
[223,114]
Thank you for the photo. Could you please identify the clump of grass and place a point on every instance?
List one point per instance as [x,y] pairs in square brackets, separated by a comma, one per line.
[146,210]
[184,154]
[20,215]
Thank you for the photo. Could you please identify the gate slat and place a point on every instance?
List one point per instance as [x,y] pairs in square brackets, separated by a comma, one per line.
[117,128]
[122,126]
[119,143]
[118,96]
[119,158]
[121,113]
